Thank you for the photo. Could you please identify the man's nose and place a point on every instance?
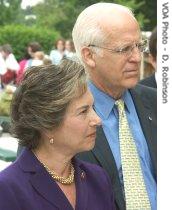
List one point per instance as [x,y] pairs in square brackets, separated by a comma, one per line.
[136,54]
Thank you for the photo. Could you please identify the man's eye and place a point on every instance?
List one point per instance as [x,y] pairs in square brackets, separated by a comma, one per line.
[84,111]
[141,46]
[124,49]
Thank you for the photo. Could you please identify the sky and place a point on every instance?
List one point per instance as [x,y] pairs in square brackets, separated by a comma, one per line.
[26,3]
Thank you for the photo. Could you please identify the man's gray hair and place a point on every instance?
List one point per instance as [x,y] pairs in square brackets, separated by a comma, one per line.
[88,29]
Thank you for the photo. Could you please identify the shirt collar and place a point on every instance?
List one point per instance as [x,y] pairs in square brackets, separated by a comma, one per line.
[127,100]
[104,103]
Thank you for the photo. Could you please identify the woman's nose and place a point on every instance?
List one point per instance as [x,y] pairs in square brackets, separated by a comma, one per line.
[95,121]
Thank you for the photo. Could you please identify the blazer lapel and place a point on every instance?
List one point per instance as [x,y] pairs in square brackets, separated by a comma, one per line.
[103,154]
[43,183]
[148,123]
[81,187]
[47,188]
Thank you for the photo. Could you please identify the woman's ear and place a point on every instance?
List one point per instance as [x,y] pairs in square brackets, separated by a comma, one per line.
[88,57]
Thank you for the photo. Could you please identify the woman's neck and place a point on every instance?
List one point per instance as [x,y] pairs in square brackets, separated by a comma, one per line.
[54,160]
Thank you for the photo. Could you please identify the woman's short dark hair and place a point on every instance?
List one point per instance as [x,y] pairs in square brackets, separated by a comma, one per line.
[40,102]
[35,46]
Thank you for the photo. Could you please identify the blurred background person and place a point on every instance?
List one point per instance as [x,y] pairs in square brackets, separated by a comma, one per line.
[11,64]
[22,64]
[69,49]
[47,61]
[3,68]
[38,58]
[26,62]
[53,118]
[57,54]
[151,80]
[32,48]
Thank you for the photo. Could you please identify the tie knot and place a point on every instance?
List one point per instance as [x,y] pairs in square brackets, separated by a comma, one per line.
[120,105]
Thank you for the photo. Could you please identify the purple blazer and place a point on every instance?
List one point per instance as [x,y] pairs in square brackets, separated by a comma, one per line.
[26,185]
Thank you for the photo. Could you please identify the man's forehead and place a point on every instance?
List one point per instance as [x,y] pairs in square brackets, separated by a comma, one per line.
[116,19]
[125,30]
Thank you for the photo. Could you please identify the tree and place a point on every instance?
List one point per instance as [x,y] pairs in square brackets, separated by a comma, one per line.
[149,9]
[18,36]
[10,11]
[61,14]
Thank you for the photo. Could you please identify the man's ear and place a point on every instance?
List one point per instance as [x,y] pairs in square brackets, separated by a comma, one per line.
[88,57]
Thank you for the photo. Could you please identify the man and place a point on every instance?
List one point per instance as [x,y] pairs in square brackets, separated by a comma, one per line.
[151,80]
[108,42]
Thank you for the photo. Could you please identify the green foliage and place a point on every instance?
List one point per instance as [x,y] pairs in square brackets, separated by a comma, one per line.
[47,13]
[136,6]
[19,37]
[149,9]
[61,15]
[10,11]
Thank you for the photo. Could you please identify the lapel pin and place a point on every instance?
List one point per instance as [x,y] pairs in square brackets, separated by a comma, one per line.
[150,118]
[82,175]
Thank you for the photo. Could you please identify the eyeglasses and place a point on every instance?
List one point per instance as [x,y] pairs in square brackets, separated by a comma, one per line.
[126,50]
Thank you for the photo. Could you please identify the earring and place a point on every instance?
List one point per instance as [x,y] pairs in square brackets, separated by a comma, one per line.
[51,141]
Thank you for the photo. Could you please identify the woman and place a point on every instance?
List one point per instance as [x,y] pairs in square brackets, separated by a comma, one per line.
[69,49]
[27,61]
[53,118]
[58,53]
[11,64]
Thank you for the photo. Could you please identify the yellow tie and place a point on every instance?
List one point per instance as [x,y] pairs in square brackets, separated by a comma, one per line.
[135,190]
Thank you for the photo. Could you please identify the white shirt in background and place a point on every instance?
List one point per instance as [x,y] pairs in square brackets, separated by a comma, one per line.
[56,56]
[11,63]
[3,67]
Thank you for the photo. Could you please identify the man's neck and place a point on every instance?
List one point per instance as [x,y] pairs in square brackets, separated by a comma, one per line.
[114,92]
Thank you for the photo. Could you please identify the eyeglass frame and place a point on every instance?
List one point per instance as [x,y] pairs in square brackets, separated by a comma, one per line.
[123,50]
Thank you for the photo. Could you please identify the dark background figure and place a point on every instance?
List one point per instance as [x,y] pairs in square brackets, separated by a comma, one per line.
[151,80]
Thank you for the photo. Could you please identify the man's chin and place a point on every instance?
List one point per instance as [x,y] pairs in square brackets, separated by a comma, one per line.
[132,82]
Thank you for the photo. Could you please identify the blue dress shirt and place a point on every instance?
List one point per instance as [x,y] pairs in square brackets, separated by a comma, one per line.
[105,107]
